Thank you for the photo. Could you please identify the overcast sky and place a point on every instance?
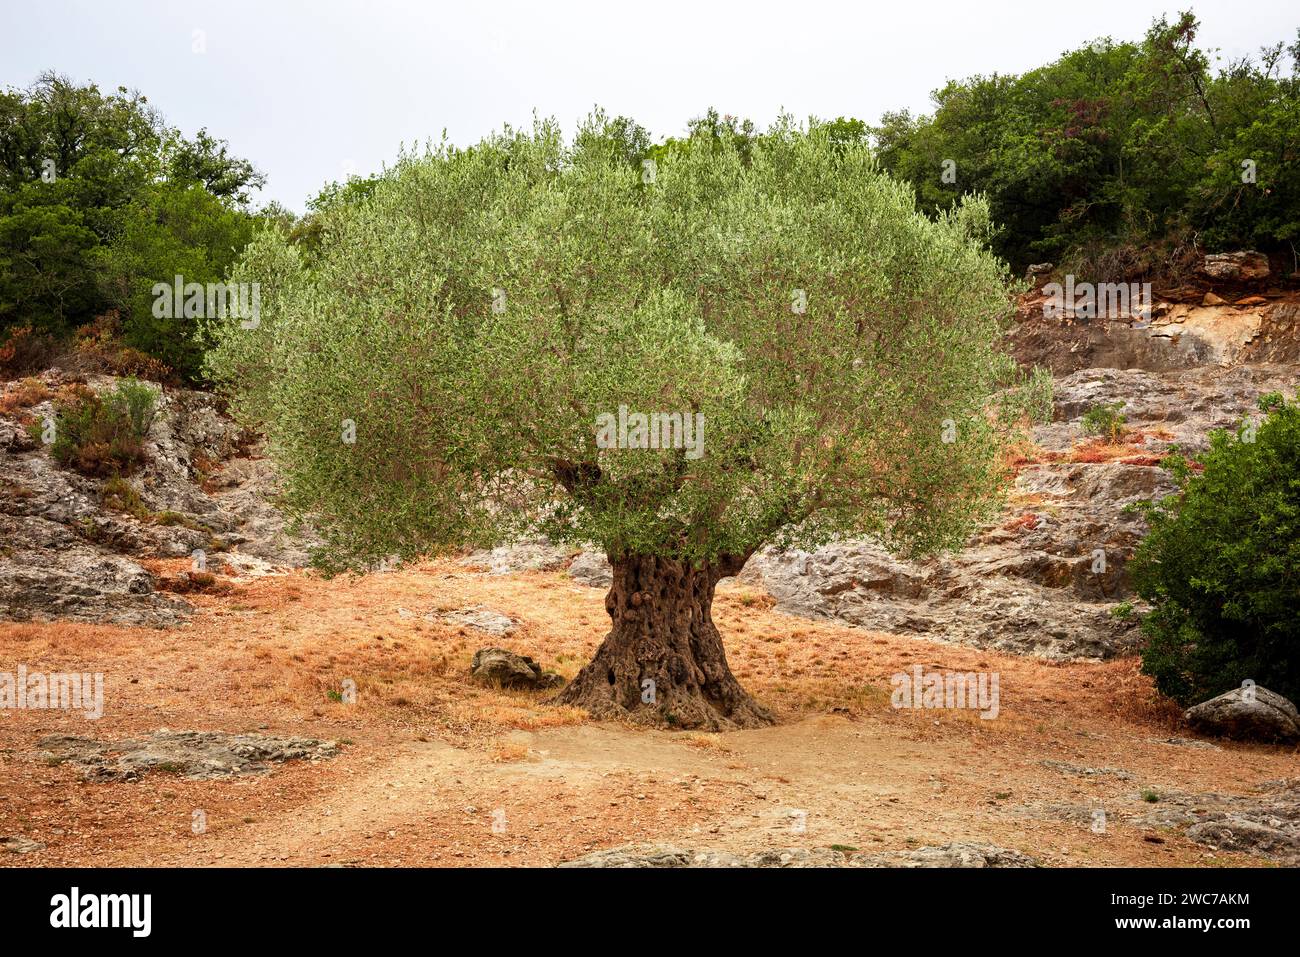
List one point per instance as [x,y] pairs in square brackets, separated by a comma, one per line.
[310,91]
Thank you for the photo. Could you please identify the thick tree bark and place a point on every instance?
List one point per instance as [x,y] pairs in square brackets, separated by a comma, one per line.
[663,663]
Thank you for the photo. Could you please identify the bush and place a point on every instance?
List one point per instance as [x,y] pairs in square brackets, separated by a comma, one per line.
[98,347]
[103,436]
[1105,420]
[24,350]
[1221,565]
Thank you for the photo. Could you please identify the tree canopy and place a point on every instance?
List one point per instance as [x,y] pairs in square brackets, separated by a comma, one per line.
[100,199]
[1118,154]
[676,295]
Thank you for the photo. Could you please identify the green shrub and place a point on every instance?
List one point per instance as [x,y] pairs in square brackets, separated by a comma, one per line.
[1221,565]
[1105,420]
[103,435]
[119,494]
[136,402]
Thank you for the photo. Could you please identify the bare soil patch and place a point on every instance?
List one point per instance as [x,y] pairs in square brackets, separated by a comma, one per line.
[436,769]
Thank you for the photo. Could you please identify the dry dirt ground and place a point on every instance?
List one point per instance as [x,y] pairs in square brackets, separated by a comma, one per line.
[436,770]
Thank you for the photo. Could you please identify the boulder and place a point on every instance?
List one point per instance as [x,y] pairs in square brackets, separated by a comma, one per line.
[1250,713]
[592,568]
[506,669]
[1243,266]
[484,619]
[536,556]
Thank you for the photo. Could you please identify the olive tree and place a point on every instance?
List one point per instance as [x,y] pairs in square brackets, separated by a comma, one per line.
[678,363]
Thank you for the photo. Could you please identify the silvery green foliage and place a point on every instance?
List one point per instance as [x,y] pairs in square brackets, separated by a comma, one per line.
[474,424]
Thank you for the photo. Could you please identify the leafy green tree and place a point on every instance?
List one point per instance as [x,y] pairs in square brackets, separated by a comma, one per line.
[308,233]
[83,177]
[45,274]
[1118,156]
[207,162]
[1221,565]
[453,369]
[169,229]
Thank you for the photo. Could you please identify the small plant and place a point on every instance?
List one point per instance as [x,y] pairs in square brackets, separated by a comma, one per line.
[1150,795]
[1123,611]
[29,392]
[102,435]
[22,350]
[137,403]
[1105,419]
[1270,401]
[119,494]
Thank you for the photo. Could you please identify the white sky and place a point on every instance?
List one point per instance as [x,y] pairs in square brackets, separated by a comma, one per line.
[308,91]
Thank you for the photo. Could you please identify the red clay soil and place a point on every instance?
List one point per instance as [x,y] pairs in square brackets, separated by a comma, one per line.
[436,770]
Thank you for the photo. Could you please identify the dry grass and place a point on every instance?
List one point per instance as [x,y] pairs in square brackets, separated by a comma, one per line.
[23,395]
[706,742]
[503,752]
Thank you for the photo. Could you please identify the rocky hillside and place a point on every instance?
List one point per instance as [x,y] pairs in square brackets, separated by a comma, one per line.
[71,545]
[1049,577]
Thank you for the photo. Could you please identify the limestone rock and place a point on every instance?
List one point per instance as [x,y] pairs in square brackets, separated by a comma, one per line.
[484,619]
[521,557]
[1265,823]
[1044,578]
[506,669]
[1243,266]
[1252,714]
[18,844]
[592,568]
[197,755]
[961,855]
[68,552]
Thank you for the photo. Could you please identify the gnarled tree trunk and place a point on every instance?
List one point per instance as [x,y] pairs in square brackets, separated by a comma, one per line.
[663,663]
